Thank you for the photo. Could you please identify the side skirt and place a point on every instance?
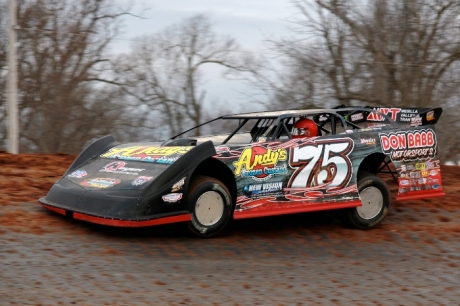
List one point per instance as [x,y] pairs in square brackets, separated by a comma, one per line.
[254,213]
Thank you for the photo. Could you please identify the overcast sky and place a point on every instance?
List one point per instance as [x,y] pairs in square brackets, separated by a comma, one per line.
[250,22]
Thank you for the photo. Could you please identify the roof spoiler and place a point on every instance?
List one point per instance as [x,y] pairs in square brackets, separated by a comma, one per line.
[412,116]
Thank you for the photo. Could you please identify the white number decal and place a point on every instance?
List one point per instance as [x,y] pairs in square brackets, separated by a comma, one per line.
[322,163]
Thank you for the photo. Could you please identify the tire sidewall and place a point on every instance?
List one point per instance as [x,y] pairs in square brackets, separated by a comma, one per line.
[363,183]
[209,185]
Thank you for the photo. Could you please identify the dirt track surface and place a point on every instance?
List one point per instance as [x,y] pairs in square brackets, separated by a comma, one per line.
[413,258]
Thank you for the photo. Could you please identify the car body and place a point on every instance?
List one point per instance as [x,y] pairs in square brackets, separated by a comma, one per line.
[257,170]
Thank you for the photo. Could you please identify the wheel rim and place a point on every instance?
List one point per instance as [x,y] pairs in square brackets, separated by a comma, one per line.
[372,203]
[209,208]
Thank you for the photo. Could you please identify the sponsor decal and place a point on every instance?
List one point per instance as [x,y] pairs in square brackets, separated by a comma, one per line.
[120,168]
[396,114]
[433,173]
[357,117]
[433,181]
[178,186]
[436,186]
[260,163]
[403,190]
[424,173]
[368,141]
[172,197]
[78,174]
[222,149]
[404,182]
[141,180]
[420,166]
[416,121]
[255,189]
[430,116]
[262,139]
[321,163]
[166,155]
[100,182]
[407,146]
[422,181]
[322,118]
[391,112]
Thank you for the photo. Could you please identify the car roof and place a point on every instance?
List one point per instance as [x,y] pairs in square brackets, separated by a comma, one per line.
[276,114]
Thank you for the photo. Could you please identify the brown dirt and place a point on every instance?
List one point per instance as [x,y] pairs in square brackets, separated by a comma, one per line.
[412,258]
[27,177]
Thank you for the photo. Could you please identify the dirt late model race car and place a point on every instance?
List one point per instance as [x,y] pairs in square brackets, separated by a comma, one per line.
[266,166]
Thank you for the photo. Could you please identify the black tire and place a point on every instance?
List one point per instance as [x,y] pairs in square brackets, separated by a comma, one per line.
[376,199]
[210,204]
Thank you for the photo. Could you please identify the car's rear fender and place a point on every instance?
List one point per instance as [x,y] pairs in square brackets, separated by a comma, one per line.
[371,163]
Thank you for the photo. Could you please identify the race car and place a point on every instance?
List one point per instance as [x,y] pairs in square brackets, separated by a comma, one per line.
[271,163]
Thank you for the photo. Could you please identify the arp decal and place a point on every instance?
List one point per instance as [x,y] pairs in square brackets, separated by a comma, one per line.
[258,189]
[78,174]
[260,163]
[172,197]
[322,163]
[141,180]
[120,168]
[407,146]
[165,155]
[100,182]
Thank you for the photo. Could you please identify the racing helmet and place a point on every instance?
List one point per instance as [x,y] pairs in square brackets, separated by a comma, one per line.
[304,128]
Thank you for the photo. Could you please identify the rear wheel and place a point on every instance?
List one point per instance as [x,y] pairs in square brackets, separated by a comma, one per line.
[210,205]
[375,199]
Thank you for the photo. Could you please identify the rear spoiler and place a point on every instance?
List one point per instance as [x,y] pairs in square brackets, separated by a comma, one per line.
[412,116]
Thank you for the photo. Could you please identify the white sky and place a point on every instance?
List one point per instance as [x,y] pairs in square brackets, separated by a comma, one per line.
[250,22]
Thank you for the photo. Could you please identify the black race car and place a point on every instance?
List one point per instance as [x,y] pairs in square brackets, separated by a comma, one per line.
[268,165]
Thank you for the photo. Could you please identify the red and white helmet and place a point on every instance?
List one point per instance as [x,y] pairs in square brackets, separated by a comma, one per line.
[304,128]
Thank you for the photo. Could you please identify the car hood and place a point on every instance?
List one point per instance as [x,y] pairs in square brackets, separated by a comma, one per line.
[130,166]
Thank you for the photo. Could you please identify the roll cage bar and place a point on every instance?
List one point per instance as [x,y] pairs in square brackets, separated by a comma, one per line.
[272,124]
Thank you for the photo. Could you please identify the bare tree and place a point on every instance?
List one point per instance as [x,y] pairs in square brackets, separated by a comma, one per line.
[165,71]
[380,53]
[3,68]
[63,66]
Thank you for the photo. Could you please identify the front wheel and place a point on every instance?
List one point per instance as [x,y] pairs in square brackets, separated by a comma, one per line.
[210,205]
[375,199]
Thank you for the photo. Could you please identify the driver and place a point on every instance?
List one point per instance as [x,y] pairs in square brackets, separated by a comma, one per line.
[304,128]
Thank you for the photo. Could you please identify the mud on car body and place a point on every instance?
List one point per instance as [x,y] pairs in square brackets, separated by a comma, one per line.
[258,169]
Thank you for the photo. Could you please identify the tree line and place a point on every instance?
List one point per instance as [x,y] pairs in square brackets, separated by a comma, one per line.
[372,53]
